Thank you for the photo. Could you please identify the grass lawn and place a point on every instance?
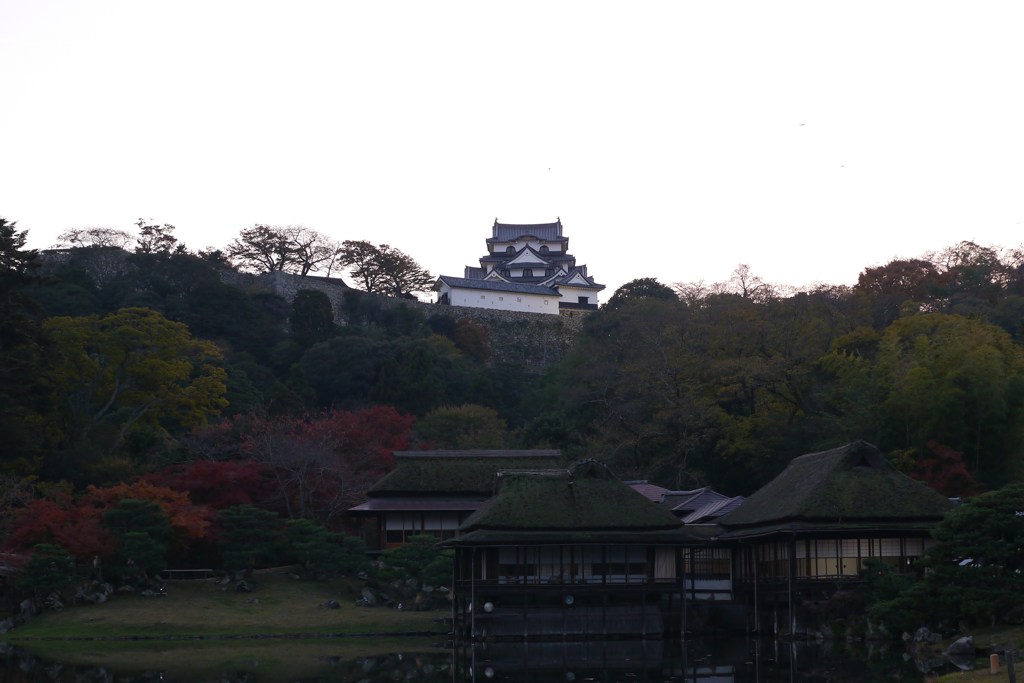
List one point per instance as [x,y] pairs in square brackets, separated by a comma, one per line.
[278,605]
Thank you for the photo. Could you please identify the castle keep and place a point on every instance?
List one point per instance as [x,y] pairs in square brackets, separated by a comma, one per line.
[528,269]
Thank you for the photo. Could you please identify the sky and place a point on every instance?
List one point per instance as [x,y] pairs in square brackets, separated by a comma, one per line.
[675,140]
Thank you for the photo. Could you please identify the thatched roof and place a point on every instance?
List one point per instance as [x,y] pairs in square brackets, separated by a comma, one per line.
[472,473]
[853,485]
[585,497]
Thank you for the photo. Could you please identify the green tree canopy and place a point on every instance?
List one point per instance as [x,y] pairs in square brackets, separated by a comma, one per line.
[463,427]
[641,288]
[14,257]
[143,532]
[976,568]
[384,269]
[956,381]
[154,238]
[420,560]
[116,377]
[50,569]
[250,537]
[311,318]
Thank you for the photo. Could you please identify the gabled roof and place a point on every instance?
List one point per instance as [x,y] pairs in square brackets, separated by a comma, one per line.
[651,492]
[508,232]
[577,277]
[528,257]
[456,473]
[554,257]
[515,287]
[495,276]
[584,497]
[850,485]
[550,281]
[699,505]
[712,511]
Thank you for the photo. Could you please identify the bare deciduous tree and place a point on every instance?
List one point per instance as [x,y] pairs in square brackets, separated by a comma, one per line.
[94,237]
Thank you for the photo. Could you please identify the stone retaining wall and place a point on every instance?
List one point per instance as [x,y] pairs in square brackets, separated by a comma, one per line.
[533,339]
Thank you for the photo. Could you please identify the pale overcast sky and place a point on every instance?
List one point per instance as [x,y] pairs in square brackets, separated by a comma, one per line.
[674,139]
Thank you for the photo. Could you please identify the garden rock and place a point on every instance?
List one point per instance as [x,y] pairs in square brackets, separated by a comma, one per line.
[367,598]
[54,602]
[961,646]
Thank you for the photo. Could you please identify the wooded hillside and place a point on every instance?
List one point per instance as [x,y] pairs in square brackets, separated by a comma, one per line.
[121,367]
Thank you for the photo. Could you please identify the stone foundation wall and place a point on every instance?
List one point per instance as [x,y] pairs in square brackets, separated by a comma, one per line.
[533,339]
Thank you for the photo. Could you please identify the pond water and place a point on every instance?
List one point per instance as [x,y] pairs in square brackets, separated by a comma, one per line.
[723,660]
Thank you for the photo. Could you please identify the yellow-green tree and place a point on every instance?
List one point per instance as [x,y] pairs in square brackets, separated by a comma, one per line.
[122,384]
[955,381]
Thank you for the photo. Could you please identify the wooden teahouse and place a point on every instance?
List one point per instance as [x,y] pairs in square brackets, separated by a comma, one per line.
[568,553]
[812,529]
[548,552]
[433,492]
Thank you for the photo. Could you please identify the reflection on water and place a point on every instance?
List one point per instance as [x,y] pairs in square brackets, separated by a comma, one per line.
[725,660]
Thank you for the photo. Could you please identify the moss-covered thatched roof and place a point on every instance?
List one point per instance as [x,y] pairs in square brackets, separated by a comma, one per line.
[469,473]
[852,485]
[584,497]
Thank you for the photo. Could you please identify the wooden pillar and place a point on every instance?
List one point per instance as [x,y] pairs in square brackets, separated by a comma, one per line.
[791,551]
[526,591]
[757,589]
[472,595]
[682,592]
[693,574]
[455,592]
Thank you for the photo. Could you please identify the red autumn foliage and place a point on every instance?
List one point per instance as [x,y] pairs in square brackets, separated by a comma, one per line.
[946,472]
[324,465]
[186,518]
[218,484]
[76,524]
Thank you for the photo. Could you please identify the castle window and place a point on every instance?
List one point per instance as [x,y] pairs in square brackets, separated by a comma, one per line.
[527,272]
[544,249]
[510,249]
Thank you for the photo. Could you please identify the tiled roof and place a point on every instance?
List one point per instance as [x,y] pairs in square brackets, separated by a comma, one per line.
[559,257]
[582,272]
[465,283]
[507,232]
[698,506]
[651,492]
[712,510]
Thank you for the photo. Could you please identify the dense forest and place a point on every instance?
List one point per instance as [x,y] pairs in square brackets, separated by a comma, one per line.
[133,373]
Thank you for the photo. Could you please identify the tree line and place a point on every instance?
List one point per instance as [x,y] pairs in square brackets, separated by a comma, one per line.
[132,361]
[378,268]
